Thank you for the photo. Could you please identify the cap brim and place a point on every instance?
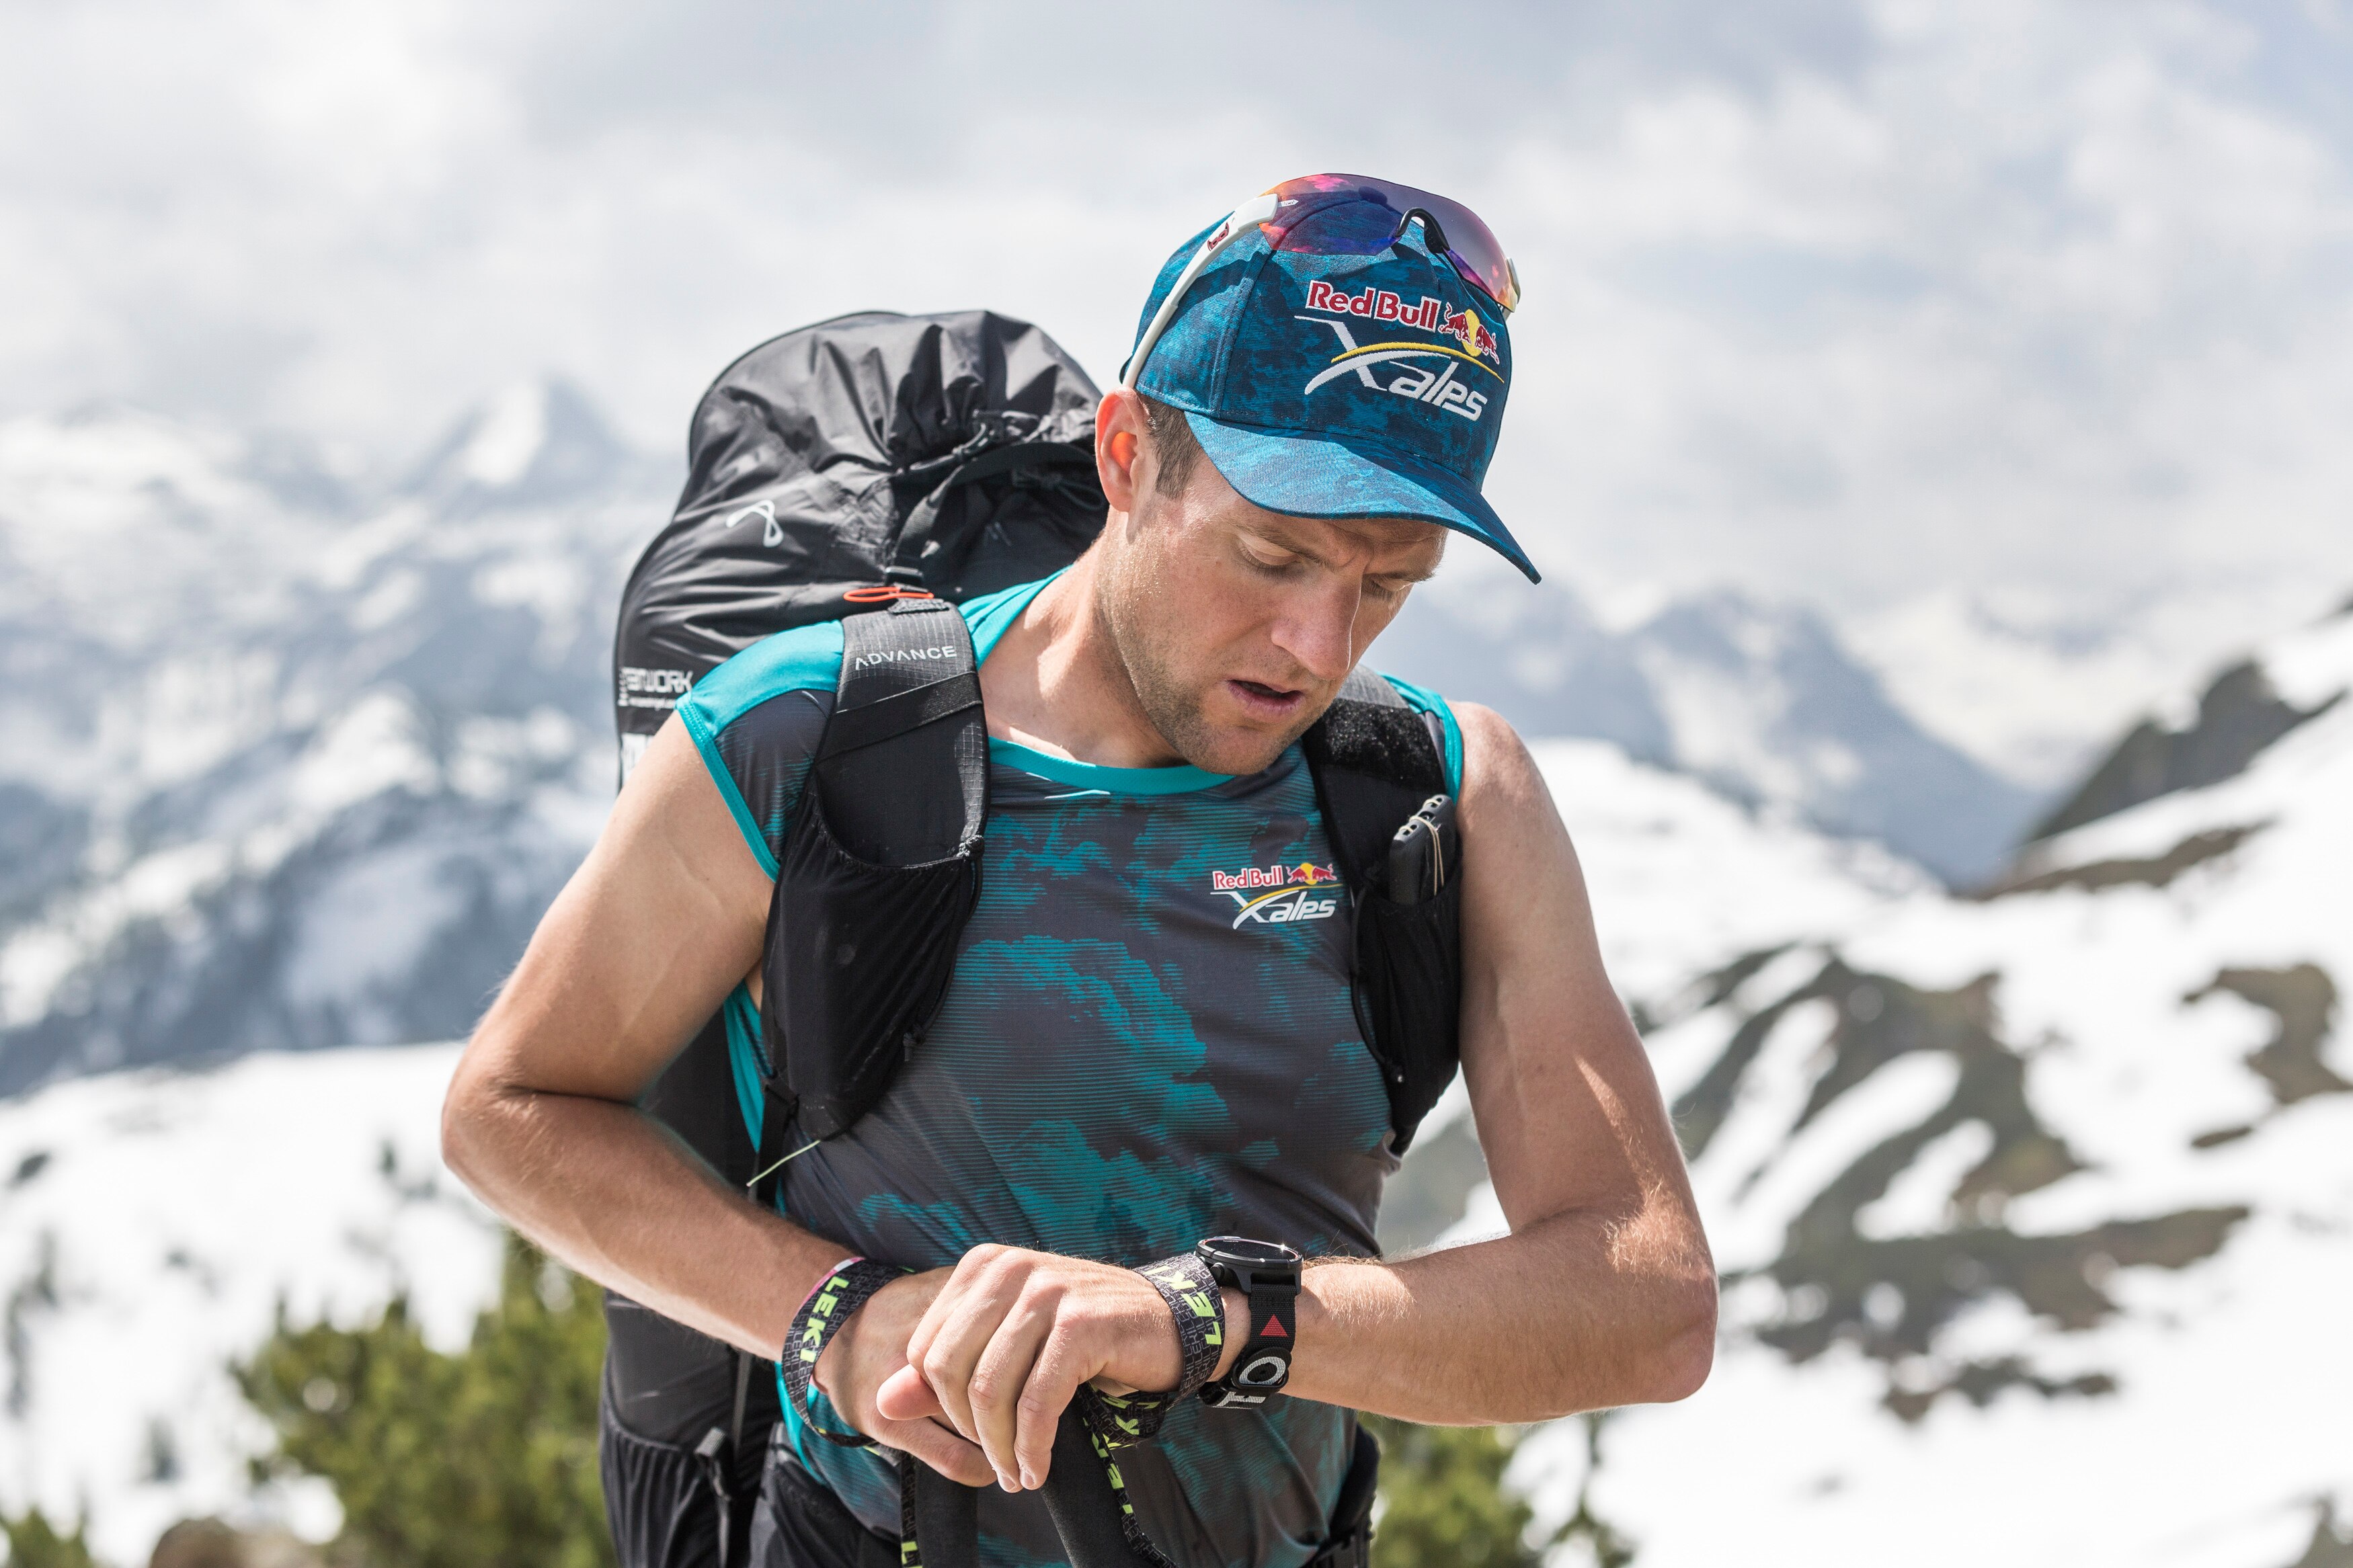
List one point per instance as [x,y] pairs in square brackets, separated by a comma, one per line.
[1330,476]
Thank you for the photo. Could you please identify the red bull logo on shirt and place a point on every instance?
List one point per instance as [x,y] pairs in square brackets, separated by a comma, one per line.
[1280,894]
[1307,873]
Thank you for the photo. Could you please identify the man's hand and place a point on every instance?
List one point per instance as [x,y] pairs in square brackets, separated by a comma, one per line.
[1007,1342]
[871,1351]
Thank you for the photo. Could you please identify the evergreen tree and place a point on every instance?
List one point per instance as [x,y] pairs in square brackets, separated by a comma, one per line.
[488,1457]
[1443,1500]
[34,1543]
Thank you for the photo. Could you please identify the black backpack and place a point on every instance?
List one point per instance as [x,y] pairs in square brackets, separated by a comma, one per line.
[879,469]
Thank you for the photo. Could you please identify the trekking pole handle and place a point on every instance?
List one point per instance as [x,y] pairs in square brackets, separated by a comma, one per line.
[1089,1508]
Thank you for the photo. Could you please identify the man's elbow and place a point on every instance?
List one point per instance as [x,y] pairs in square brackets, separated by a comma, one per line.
[1687,1352]
[468,1111]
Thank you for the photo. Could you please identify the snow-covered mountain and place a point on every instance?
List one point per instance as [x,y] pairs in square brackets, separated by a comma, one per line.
[1762,700]
[151,1221]
[285,767]
[2032,1209]
[2035,680]
[289,759]
[2032,1205]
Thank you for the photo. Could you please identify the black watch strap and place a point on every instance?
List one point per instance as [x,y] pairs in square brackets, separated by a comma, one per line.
[1262,1366]
[850,1286]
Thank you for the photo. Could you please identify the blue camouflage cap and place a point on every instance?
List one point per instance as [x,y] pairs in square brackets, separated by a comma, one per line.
[1343,372]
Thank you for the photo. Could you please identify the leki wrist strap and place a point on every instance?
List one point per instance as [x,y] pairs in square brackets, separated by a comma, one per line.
[850,1286]
[1198,1308]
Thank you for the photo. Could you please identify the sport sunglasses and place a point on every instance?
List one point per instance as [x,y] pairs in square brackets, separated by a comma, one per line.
[1373,216]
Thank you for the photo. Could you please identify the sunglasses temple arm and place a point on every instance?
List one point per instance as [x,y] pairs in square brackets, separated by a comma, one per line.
[1240,221]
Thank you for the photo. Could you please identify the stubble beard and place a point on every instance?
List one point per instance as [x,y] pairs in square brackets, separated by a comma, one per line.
[1169,704]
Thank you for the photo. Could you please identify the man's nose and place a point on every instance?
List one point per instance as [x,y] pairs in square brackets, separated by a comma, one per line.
[1318,628]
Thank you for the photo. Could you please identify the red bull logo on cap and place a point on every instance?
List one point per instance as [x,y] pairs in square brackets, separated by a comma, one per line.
[1465,328]
[1376,304]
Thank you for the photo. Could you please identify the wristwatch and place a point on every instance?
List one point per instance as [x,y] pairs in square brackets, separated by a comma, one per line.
[1267,1272]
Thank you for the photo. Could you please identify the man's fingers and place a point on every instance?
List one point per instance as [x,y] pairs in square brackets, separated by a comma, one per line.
[946,1298]
[1001,1374]
[905,1396]
[975,1302]
[1054,1379]
[936,1445]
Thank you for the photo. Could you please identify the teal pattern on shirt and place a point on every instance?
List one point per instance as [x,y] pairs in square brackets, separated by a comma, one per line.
[1129,1057]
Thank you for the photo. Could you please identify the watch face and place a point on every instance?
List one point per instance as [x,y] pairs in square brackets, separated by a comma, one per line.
[1242,1250]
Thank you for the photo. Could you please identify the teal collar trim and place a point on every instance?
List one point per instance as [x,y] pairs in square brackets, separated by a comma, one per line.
[993,615]
[1094,775]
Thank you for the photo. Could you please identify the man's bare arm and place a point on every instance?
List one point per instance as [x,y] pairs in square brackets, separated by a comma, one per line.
[1603,1293]
[643,944]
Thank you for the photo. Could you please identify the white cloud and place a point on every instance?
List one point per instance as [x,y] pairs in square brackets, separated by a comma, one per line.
[1855,299]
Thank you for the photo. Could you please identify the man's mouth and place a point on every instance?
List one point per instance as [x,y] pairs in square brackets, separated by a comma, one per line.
[1262,701]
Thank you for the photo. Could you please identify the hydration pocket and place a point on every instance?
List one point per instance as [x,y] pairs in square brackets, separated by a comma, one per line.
[1376,762]
[1409,987]
[859,959]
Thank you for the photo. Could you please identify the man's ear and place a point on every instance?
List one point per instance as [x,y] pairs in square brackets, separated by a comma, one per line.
[1120,448]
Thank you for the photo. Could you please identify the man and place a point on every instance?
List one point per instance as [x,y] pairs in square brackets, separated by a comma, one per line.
[1126,1062]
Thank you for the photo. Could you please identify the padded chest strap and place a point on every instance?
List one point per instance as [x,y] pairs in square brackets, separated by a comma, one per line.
[903,767]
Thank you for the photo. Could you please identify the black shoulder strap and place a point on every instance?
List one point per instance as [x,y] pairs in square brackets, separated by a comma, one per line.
[903,767]
[1374,762]
[878,875]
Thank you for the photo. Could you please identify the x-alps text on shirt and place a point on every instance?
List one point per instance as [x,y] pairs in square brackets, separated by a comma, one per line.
[1279,894]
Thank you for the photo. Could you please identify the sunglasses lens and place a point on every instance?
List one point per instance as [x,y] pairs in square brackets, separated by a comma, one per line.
[1349,215]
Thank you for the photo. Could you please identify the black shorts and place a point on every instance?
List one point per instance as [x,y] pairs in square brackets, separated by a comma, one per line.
[799,1524]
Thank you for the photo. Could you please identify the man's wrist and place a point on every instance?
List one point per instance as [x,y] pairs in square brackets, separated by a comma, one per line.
[1237,1331]
[846,1287]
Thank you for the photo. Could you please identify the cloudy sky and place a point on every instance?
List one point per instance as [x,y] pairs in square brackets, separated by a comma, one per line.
[1848,300]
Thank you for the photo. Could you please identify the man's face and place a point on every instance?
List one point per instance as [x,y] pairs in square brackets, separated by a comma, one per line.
[1237,625]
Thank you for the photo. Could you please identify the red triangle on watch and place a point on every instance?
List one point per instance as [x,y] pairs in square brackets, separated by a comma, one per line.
[1274,1329]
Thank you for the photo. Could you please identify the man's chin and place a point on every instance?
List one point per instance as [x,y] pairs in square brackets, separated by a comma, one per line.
[1239,749]
[1227,742]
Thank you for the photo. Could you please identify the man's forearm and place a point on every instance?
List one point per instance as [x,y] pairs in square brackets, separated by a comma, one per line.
[1576,1312]
[612,1194]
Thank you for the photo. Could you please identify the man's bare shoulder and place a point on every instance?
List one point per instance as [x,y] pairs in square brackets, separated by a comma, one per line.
[672,816]
[660,922]
[1500,776]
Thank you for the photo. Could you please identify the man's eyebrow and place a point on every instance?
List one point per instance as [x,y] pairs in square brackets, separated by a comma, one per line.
[1300,545]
